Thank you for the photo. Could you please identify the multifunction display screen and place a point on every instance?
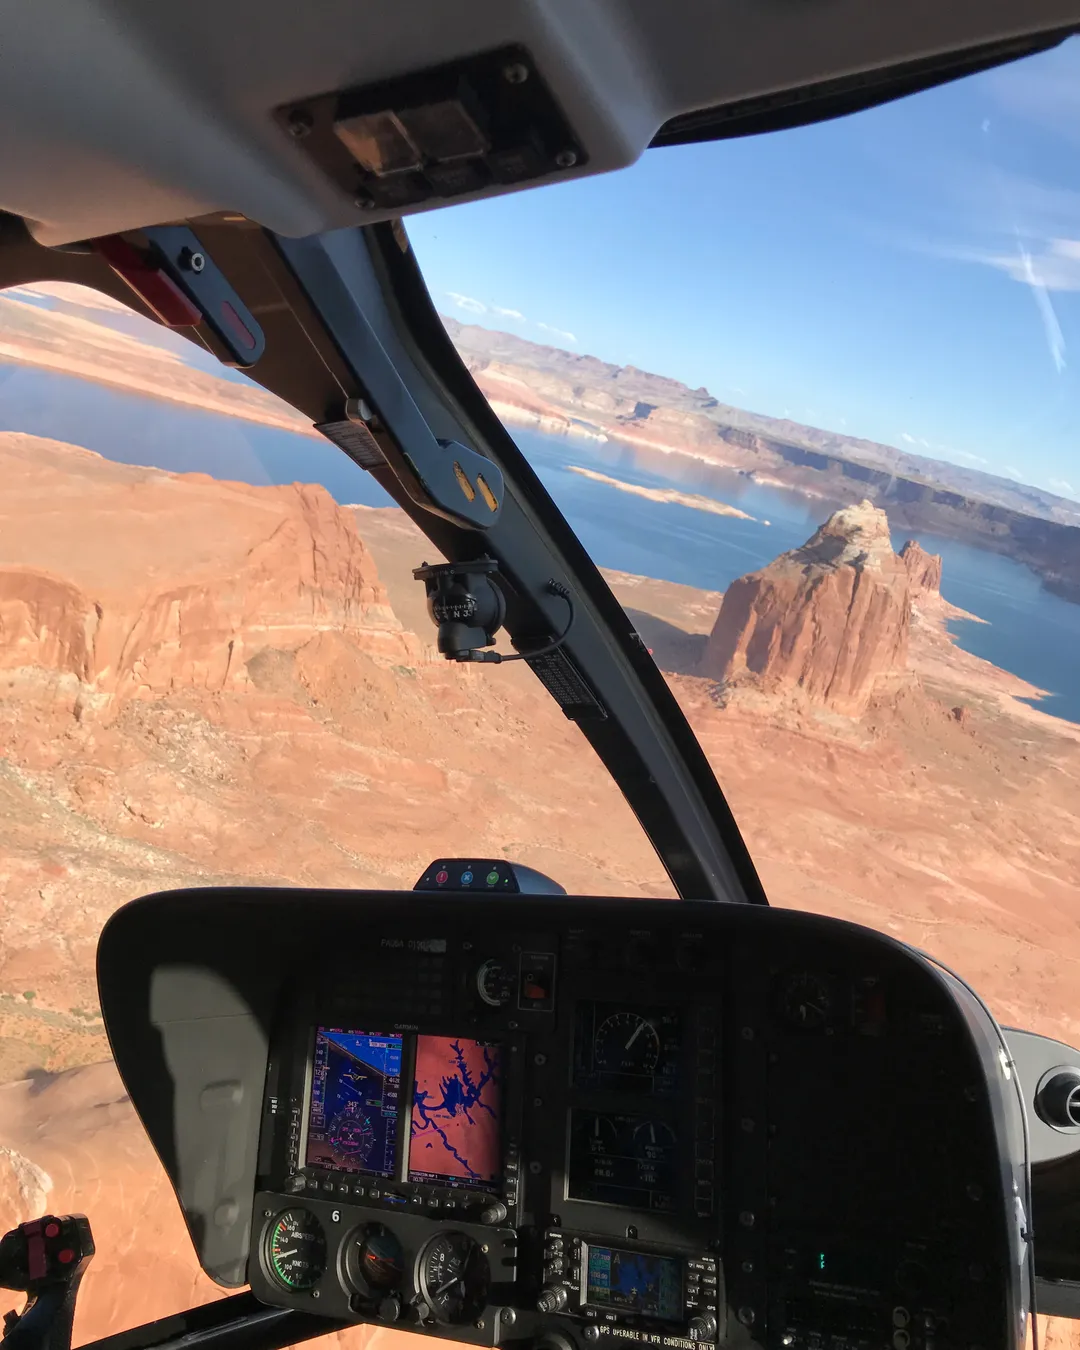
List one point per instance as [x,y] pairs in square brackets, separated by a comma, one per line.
[456,1134]
[355,1090]
[627,1049]
[634,1282]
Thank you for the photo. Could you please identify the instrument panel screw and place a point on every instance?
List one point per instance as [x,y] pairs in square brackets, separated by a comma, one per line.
[540,1060]
[538,1101]
[485,1248]
[314,1293]
[747,1033]
[746,1316]
[267,1213]
[746,1218]
[748,1267]
[515,73]
[480,1324]
[631,1231]
[191,261]
[300,125]
[509,1317]
[566,159]
[535,1168]
[364,203]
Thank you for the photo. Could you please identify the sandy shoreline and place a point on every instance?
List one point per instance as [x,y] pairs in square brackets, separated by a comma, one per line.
[665,496]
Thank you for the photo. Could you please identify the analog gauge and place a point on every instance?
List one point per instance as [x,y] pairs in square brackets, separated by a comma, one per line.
[296,1250]
[807,1002]
[594,1135]
[351,1133]
[603,1133]
[626,1042]
[454,1278]
[495,984]
[374,1260]
[654,1141]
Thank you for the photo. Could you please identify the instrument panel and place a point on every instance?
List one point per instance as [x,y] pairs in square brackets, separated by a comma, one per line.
[574,1122]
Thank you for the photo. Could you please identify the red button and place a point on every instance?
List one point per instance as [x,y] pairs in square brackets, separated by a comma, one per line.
[440,877]
[52,1230]
[66,1256]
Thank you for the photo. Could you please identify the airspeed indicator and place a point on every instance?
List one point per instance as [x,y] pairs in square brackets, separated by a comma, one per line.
[295,1250]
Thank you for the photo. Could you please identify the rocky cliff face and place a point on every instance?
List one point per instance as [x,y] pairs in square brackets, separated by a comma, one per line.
[830,619]
[569,393]
[923,568]
[243,569]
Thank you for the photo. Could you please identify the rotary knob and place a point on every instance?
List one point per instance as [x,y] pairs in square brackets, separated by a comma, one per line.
[494,1213]
[702,1327]
[552,1299]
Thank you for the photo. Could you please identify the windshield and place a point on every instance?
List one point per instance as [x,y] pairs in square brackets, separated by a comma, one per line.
[709,356]
[749,374]
[217,669]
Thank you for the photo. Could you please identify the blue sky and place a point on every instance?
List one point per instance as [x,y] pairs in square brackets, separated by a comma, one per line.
[910,274]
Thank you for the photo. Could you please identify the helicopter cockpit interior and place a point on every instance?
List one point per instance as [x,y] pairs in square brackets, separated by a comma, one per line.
[485,1110]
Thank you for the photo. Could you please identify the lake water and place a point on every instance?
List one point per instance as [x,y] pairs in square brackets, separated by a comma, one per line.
[138,430]
[1029,631]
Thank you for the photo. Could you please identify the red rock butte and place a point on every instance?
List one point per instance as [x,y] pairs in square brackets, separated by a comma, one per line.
[830,619]
[923,568]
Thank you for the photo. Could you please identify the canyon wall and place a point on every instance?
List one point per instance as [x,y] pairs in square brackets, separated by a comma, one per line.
[256,568]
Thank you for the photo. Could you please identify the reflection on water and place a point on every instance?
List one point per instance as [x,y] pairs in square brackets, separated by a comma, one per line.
[1028,631]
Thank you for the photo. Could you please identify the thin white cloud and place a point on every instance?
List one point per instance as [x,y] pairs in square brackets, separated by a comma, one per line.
[1055,339]
[1060,485]
[467,303]
[507,313]
[965,455]
[1055,268]
[1011,472]
[557,332]
[904,436]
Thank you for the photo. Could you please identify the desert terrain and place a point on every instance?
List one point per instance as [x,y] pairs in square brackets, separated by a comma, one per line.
[207,682]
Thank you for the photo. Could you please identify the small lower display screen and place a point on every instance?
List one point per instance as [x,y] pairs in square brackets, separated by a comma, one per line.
[353,1115]
[634,1282]
[621,1159]
[456,1135]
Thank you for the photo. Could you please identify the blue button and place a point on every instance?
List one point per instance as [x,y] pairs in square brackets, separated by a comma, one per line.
[466,878]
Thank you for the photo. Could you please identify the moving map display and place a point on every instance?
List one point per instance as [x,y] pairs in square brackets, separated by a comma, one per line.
[456,1136]
[634,1282]
[355,1087]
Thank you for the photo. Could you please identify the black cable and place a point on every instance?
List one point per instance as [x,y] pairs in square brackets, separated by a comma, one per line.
[553,588]
[1028,1233]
